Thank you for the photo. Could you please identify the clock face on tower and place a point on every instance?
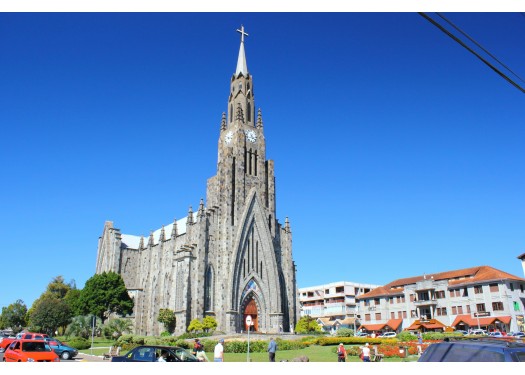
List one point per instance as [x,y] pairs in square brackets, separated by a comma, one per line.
[228,137]
[251,136]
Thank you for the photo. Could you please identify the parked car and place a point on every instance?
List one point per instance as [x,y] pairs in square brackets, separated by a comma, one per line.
[65,352]
[496,334]
[30,351]
[387,335]
[6,341]
[464,333]
[518,334]
[151,353]
[361,334]
[478,332]
[474,350]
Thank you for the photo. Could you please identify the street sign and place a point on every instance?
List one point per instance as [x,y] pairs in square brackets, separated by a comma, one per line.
[249,321]
[479,314]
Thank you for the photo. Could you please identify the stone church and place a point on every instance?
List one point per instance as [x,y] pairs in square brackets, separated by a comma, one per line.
[229,259]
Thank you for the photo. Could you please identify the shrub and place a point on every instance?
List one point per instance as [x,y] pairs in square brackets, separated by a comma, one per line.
[406,336]
[345,332]
[165,334]
[79,343]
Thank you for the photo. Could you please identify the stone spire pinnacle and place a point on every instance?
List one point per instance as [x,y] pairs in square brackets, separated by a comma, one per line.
[174,231]
[162,235]
[141,243]
[241,60]
[259,120]
[190,216]
[239,115]
[223,121]
[150,239]
[287,225]
[200,213]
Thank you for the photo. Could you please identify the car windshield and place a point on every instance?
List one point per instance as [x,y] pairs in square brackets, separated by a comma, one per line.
[35,347]
[184,356]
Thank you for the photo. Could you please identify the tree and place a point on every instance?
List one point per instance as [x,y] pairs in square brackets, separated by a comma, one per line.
[209,323]
[117,327]
[167,317]
[14,316]
[195,325]
[104,294]
[82,326]
[72,298]
[49,314]
[307,324]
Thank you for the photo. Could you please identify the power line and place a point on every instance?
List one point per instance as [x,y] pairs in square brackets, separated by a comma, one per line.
[477,44]
[499,72]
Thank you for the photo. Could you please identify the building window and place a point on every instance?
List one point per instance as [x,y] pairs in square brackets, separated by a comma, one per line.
[460,309]
[392,315]
[327,291]
[441,311]
[391,300]
[480,307]
[511,287]
[367,302]
[455,293]
[404,314]
[516,306]
[465,292]
[310,294]
[493,288]
[440,294]
[497,306]
[468,309]
[367,317]
[454,310]
[402,299]
[376,301]
[412,314]
[399,315]
[412,297]
[340,289]
[378,316]
[521,287]
[478,289]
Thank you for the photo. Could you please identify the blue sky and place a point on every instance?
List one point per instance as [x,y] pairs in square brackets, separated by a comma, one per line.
[396,151]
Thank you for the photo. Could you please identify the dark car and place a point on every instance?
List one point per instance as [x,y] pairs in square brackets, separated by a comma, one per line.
[475,350]
[156,353]
[62,350]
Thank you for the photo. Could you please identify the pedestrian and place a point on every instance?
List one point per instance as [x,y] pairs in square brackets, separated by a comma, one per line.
[201,354]
[365,353]
[272,348]
[341,353]
[419,338]
[218,353]
[196,346]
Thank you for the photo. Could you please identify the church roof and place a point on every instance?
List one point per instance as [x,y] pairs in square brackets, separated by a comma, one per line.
[132,241]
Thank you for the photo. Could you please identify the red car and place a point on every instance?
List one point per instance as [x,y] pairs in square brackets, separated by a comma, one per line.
[30,351]
[6,341]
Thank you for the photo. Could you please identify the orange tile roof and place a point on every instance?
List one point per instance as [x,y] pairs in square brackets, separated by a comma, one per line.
[455,278]
[373,327]
[483,321]
[394,323]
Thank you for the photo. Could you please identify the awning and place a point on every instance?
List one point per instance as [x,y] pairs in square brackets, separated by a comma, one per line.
[483,321]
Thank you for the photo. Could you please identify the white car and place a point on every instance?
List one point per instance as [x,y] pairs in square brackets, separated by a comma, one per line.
[478,332]
[388,334]
[496,334]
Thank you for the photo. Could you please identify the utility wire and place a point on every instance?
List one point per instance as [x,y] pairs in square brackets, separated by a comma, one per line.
[476,43]
[499,72]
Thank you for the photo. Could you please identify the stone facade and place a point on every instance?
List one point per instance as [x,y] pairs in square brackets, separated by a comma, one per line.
[231,258]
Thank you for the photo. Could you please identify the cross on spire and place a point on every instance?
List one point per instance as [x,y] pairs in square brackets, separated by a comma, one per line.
[242,33]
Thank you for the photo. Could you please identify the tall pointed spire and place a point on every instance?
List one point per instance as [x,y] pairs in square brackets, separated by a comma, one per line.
[223,121]
[190,216]
[242,67]
[259,120]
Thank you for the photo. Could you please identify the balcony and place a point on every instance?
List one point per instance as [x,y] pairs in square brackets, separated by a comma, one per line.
[431,302]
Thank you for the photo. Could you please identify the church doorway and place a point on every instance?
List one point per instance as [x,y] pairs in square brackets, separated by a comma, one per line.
[250,309]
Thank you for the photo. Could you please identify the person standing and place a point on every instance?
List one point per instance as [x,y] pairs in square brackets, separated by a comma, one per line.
[341,353]
[272,348]
[365,351]
[218,353]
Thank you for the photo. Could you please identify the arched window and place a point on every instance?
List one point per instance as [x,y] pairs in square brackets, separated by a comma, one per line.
[248,112]
[208,290]
[231,112]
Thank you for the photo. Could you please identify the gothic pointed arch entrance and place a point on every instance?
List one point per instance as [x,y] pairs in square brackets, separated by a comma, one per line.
[250,308]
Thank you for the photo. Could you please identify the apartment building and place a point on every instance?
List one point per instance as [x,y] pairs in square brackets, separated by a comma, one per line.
[464,299]
[333,305]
